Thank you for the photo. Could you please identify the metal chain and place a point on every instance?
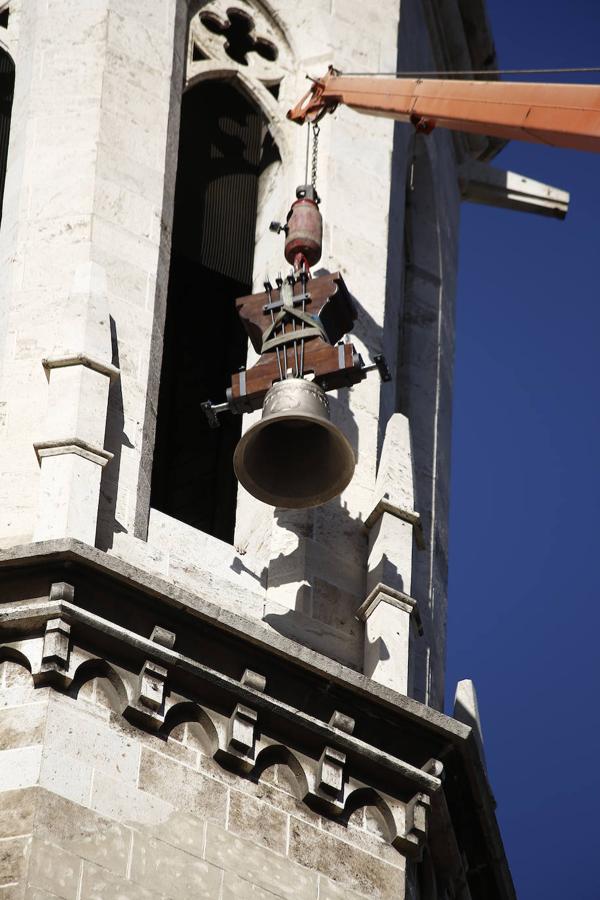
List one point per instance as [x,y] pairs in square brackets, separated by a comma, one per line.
[315,151]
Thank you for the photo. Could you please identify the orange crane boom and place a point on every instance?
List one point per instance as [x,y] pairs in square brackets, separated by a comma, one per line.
[560,115]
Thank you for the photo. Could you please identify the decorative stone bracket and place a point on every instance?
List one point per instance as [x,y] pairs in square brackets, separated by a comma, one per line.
[153,679]
[56,645]
[241,728]
[330,772]
[416,817]
[330,776]
[55,653]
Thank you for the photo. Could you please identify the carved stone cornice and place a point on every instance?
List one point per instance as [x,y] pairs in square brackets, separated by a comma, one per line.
[71,612]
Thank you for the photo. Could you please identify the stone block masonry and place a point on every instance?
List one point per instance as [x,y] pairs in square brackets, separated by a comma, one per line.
[329,785]
[179,828]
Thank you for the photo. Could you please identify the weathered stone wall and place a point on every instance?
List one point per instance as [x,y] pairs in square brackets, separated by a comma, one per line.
[155,744]
[83,245]
[92,807]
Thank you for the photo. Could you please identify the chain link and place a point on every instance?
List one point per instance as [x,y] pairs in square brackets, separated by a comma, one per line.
[315,151]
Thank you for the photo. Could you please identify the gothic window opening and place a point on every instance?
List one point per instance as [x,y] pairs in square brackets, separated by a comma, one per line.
[223,148]
[7,86]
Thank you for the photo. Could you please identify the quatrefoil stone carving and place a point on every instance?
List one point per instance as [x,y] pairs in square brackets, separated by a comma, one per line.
[238,29]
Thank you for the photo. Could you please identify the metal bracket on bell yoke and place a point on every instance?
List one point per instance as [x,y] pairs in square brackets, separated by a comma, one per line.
[212,412]
[237,405]
[379,363]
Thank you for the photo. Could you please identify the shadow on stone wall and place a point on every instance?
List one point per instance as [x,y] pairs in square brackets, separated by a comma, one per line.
[325,571]
[114,441]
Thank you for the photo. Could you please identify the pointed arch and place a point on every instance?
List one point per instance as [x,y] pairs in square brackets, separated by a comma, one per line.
[368,797]
[280,755]
[10,654]
[194,715]
[113,684]
[255,92]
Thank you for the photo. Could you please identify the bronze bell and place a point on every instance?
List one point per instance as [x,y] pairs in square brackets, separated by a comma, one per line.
[294,457]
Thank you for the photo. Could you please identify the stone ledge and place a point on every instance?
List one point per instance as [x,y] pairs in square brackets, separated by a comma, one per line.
[79,447]
[382,593]
[81,359]
[407,515]
[70,551]
[46,612]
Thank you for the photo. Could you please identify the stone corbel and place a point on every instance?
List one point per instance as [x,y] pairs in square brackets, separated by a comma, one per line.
[151,687]
[150,703]
[410,840]
[330,771]
[241,728]
[330,774]
[56,646]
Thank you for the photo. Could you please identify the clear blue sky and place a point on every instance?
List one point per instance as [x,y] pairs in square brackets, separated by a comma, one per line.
[524,616]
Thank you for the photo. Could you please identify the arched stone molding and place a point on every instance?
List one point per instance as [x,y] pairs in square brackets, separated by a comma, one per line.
[363,798]
[186,713]
[256,92]
[10,654]
[280,755]
[404,822]
[114,686]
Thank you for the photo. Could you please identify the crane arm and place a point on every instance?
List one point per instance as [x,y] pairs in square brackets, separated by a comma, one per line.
[560,115]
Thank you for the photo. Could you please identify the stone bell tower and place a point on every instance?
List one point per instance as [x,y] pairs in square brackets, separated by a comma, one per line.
[201,695]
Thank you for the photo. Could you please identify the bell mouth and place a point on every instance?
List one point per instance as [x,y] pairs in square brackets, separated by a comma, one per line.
[293,461]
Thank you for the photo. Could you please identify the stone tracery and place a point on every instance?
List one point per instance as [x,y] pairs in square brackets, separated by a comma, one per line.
[242,37]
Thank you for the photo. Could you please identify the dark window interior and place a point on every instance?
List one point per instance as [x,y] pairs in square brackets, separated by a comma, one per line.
[220,153]
[7,86]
